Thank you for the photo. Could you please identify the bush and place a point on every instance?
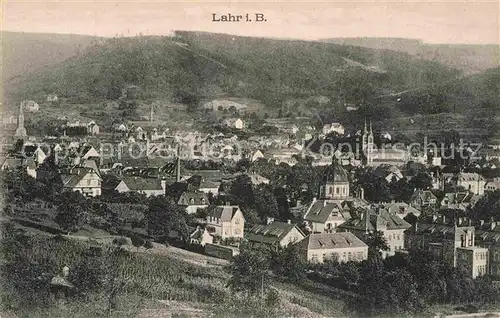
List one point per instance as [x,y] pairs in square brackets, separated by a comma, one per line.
[148,244]
[272,298]
[120,241]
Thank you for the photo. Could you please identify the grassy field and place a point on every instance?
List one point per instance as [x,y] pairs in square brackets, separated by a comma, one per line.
[159,283]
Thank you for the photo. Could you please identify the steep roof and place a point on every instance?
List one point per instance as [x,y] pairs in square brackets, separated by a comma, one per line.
[142,184]
[193,198]
[224,212]
[12,163]
[271,233]
[72,177]
[424,195]
[321,211]
[373,220]
[440,231]
[467,177]
[400,208]
[331,241]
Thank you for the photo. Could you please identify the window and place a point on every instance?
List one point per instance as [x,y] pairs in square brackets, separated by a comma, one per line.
[399,237]
[202,200]
[324,257]
[89,182]
[237,221]
[349,256]
[330,190]
[314,258]
[236,231]
[337,190]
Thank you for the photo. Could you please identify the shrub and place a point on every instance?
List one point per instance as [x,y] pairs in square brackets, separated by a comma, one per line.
[272,298]
[120,241]
[148,244]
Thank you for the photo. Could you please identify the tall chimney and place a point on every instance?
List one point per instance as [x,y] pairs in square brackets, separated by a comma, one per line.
[178,171]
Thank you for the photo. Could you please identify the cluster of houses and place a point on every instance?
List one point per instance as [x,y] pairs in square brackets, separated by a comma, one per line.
[339,221]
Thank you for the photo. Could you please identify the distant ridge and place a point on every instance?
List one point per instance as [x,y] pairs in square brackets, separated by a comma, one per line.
[24,53]
[469,58]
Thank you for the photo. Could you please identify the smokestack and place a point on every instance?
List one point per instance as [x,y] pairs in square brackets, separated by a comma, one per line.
[178,172]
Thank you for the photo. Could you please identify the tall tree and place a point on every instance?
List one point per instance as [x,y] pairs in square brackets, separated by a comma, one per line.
[265,202]
[377,243]
[71,217]
[164,219]
[249,271]
[288,262]
[242,190]
[48,174]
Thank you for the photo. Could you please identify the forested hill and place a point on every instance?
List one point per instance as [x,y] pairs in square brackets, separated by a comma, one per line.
[194,66]
[25,53]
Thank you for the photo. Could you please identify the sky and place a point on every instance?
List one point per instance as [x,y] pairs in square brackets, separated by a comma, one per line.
[451,21]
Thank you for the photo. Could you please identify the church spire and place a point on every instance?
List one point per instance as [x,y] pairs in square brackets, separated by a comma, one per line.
[366,130]
[20,131]
[371,131]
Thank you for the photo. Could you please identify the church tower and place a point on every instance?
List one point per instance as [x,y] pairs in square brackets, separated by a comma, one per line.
[21,131]
[364,139]
[367,144]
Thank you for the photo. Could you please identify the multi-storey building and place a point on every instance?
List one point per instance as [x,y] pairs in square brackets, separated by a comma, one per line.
[379,219]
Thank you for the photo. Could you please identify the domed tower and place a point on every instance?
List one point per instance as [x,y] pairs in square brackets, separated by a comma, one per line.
[335,182]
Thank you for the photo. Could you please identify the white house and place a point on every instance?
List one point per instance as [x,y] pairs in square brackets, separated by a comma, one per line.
[235,123]
[226,221]
[333,127]
[84,180]
[30,106]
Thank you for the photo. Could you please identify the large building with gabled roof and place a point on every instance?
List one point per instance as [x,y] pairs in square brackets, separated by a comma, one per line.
[275,234]
[378,219]
[342,247]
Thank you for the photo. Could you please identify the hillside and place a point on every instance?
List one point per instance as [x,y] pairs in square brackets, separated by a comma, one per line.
[25,53]
[467,58]
[194,66]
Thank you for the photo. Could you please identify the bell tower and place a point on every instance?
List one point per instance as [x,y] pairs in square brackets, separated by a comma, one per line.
[367,144]
[20,131]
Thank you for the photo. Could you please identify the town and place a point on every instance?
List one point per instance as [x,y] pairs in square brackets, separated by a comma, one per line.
[262,193]
[301,167]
